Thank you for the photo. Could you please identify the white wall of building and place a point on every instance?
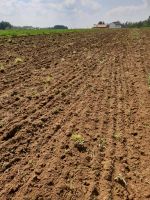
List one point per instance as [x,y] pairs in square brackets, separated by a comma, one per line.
[113,25]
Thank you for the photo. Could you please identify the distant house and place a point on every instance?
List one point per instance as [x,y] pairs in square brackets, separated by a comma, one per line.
[115,25]
[100,25]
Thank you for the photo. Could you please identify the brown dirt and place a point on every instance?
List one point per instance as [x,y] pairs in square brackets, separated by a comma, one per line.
[92,84]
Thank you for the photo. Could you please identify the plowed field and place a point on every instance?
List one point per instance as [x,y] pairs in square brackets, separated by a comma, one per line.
[75,116]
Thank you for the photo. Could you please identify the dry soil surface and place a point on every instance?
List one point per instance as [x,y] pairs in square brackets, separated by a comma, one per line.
[91,85]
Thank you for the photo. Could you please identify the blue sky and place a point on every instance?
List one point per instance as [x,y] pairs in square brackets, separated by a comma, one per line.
[73,13]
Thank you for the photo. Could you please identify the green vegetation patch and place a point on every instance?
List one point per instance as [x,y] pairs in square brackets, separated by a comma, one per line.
[28,32]
[77,138]
[135,34]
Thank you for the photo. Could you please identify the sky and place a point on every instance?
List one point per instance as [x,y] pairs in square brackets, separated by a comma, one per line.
[73,13]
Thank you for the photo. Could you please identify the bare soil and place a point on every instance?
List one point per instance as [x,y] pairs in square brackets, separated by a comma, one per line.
[90,84]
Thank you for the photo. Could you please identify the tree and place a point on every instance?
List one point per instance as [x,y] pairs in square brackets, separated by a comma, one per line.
[5,25]
[101,22]
[140,24]
[60,27]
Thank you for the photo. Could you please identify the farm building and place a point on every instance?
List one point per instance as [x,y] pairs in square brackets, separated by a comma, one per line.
[100,25]
[115,25]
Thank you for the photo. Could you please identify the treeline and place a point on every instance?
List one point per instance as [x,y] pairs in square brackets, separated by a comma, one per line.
[140,24]
[6,25]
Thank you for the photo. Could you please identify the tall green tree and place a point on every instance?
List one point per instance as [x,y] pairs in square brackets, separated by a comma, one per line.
[5,25]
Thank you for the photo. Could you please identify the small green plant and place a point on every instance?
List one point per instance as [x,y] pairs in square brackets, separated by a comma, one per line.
[117,136]
[30,162]
[102,144]
[135,34]
[48,79]
[146,125]
[18,60]
[2,68]
[77,138]
[79,142]
[34,93]
[56,111]
[102,61]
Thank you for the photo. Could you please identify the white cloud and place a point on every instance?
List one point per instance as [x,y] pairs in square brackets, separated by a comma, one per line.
[129,13]
[73,13]
[48,13]
[93,5]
